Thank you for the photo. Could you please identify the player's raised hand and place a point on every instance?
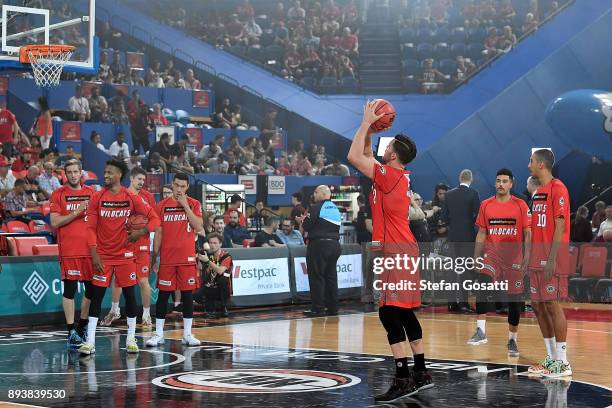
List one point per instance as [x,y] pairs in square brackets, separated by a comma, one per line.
[369,112]
[181,198]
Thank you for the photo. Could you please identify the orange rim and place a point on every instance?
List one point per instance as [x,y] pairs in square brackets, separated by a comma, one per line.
[42,51]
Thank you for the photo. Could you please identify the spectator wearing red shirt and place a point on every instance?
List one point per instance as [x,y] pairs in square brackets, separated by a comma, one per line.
[133,106]
[281,167]
[349,42]
[8,130]
[157,117]
[24,161]
[331,11]
[235,203]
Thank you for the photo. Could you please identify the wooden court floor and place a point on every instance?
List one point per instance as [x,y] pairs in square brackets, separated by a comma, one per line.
[445,337]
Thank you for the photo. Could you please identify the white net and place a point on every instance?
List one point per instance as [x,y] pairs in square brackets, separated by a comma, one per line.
[47,67]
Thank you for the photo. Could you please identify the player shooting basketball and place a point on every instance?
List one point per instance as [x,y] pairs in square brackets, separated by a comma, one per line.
[390,201]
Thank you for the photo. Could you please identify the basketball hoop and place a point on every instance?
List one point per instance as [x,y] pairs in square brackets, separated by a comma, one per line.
[47,62]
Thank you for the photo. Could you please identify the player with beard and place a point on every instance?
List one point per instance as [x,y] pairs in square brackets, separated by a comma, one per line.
[390,202]
[68,217]
[112,247]
[143,258]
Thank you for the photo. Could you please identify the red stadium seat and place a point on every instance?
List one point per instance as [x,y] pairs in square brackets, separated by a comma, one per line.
[594,261]
[17,226]
[247,243]
[51,249]
[38,225]
[3,228]
[12,246]
[24,244]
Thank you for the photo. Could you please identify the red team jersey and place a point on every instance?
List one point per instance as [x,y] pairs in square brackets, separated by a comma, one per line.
[143,245]
[71,237]
[550,202]
[505,224]
[390,204]
[107,217]
[178,237]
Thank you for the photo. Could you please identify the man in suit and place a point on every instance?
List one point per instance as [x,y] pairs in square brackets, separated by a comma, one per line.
[459,213]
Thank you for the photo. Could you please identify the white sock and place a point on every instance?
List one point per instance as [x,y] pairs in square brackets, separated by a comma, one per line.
[551,347]
[146,312]
[562,351]
[115,307]
[512,336]
[176,304]
[481,325]
[159,327]
[187,326]
[91,330]
[131,321]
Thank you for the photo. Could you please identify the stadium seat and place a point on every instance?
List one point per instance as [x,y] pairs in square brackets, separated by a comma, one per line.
[24,244]
[424,35]
[12,248]
[349,84]
[411,67]
[51,249]
[425,51]
[443,35]
[409,51]
[247,243]
[3,228]
[477,35]
[448,67]
[459,35]
[182,116]
[441,51]
[328,84]
[407,35]
[38,226]
[457,49]
[238,49]
[474,51]
[17,226]
[274,53]
[255,53]
[308,82]
[594,261]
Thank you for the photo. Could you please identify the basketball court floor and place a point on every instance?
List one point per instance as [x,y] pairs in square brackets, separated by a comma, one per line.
[278,358]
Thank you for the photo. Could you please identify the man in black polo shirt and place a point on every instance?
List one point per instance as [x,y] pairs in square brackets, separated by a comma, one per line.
[267,236]
[323,225]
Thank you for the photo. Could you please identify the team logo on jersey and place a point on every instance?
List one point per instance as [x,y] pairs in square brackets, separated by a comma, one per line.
[257,381]
[533,290]
[99,278]
[145,269]
[115,204]
[540,197]
[550,288]
[70,199]
[561,201]
[191,281]
[133,276]
[165,283]
[382,169]
[518,284]
[73,272]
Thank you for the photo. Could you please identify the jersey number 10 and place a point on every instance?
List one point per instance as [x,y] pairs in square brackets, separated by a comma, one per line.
[541,220]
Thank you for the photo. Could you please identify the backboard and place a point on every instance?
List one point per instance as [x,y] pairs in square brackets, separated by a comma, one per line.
[37,22]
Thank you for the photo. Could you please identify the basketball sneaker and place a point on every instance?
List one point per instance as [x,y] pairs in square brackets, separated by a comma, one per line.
[87,349]
[478,338]
[512,348]
[191,341]
[110,318]
[74,340]
[131,346]
[155,341]
[400,388]
[557,369]
[539,368]
[147,324]
[422,379]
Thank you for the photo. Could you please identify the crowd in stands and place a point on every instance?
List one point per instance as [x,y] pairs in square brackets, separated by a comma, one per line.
[444,42]
[297,39]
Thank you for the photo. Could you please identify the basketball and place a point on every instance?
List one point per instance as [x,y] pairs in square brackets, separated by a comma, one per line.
[384,123]
[136,222]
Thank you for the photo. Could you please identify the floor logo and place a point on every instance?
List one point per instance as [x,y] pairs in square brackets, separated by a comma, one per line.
[35,288]
[257,381]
